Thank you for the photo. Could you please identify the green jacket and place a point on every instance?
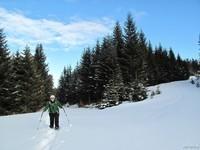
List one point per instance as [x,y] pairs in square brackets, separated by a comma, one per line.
[53,107]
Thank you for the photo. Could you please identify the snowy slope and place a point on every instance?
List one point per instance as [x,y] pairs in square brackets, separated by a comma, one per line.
[170,121]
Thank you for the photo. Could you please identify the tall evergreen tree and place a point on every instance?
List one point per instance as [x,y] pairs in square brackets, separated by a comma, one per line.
[151,70]
[17,84]
[86,79]
[75,89]
[63,86]
[96,61]
[42,72]
[142,60]
[131,47]
[114,89]
[104,66]
[172,65]
[31,83]
[122,57]
[4,74]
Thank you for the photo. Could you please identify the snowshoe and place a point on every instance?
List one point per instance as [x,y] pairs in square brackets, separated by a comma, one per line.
[56,128]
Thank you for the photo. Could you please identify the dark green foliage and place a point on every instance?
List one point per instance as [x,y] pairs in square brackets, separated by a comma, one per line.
[5,65]
[65,89]
[121,66]
[24,80]
[192,81]
[122,56]
[86,77]
[158,90]
[42,72]
[143,66]
[131,48]
[115,89]
[197,84]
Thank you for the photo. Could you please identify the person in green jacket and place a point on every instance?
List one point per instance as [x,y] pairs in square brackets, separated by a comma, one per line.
[53,108]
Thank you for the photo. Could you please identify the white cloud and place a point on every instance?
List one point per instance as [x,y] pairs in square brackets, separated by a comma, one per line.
[22,30]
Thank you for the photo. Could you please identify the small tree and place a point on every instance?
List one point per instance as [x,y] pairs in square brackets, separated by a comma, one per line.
[192,81]
[114,90]
[152,94]
[158,90]
[197,84]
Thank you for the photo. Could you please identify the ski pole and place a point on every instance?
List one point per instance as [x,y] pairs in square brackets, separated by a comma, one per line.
[40,120]
[66,116]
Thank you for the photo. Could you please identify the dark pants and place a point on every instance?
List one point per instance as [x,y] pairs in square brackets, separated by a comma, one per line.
[54,118]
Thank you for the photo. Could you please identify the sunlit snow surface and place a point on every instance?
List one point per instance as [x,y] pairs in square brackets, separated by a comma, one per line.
[169,121]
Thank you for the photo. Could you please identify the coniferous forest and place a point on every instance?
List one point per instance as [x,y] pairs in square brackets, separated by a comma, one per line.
[25,84]
[119,68]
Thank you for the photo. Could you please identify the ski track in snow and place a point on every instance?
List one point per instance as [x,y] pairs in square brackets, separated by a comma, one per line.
[48,139]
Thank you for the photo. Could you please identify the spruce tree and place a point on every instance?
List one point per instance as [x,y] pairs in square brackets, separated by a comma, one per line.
[95,64]
[143,62]
[30,83]
[42,72]
[17,84]
[62,87]
[114,89]
[131,47]
[85,73]
[4,74]
[182,69]
[172,65]
[151,70]
[75,87]
[122,57]
[104,66]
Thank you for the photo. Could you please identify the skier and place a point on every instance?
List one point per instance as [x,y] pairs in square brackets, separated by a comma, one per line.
[53,107]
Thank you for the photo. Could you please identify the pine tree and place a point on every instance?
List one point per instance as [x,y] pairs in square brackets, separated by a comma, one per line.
[122,57]
[96,71]
[62,87]
[42,72]
[114,90]
[75,88]
[17,83]
[30,83]
[104,66]
[151,70]
[172,65]
[131,47]
[4,74]
[182,69]
[162,65]
[143,54]
[85,73]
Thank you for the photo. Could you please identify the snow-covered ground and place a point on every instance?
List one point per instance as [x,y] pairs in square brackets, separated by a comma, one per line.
[169,121]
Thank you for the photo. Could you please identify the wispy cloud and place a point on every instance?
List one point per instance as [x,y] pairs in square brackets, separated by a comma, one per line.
[22,30]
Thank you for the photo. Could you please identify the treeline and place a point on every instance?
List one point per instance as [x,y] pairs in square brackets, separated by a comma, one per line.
[25,83]
[120,67]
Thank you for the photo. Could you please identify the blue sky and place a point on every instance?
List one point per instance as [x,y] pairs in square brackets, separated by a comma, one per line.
[66,27]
